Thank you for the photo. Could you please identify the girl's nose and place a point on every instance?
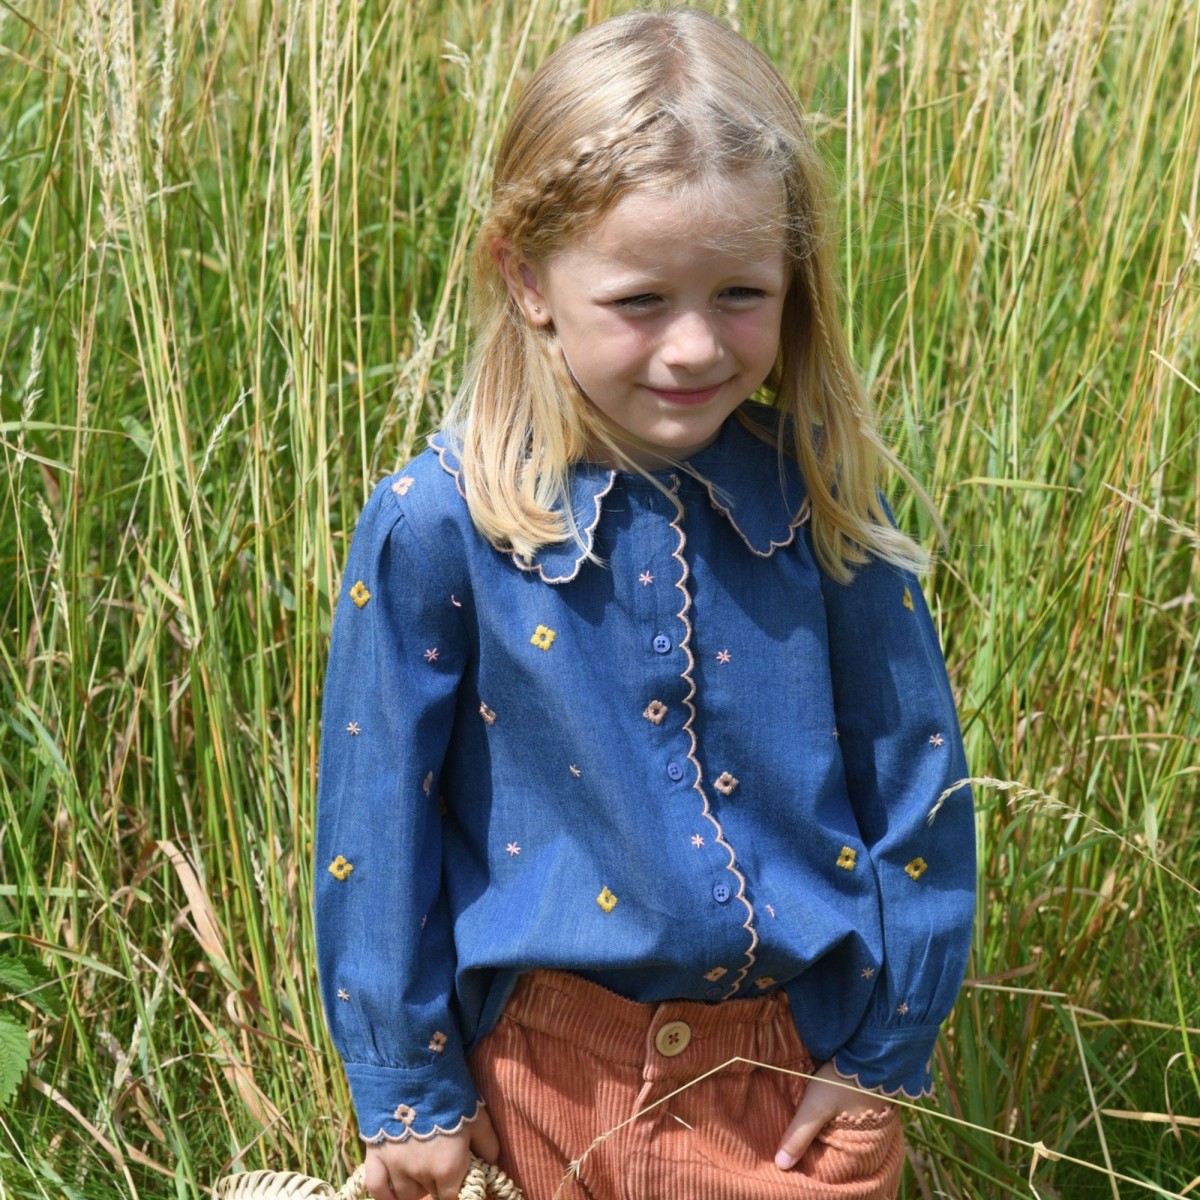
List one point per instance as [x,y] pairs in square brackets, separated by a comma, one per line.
[691,342]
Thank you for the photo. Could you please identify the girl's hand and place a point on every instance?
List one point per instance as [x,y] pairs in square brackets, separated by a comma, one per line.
[822,1102]
[437,1167]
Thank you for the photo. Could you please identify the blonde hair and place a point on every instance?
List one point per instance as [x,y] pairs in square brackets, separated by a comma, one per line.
[657,101]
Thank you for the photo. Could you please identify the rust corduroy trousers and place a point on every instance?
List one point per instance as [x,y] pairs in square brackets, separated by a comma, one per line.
[569,1061]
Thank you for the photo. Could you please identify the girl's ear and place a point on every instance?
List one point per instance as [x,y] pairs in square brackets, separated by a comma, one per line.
[522,281]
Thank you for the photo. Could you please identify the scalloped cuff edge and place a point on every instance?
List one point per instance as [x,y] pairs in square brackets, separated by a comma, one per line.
[411,1134]
[879,1089]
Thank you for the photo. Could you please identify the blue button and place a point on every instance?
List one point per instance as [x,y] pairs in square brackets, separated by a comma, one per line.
[662,644]
[674,771]
[713,993]
[721,893]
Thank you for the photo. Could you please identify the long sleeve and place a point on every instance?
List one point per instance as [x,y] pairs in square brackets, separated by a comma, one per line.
[899,736]
[384,941]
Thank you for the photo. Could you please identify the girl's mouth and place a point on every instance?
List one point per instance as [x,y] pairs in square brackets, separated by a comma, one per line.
[686,396]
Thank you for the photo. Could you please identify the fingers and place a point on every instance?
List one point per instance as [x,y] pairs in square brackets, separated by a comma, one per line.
[805,1126]
[376,1181]
[484,1141]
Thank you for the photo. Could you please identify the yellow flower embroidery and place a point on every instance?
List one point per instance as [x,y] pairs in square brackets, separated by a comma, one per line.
[654,712]
[916,868]
[725,783]
[847,858]
[764,981]
[488,715]
[401,486]
[340,869]
[437,1043]
[908,603]
[543,637]
[606,900]
[405,1115]
[359,594]
[715,974]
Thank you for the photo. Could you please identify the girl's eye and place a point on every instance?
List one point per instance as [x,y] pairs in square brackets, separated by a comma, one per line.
[636,303]
[738,295]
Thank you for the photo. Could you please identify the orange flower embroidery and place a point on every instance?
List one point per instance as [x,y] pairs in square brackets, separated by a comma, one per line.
[916,868]
[764,981]
[606,900]
[437,1043]
[340,869]
[543,637]
[725,783]
[847,858]
[401,486]
[405,1115]
[908,600]
[487,714]
[654,712]
[715,974]
[359,594]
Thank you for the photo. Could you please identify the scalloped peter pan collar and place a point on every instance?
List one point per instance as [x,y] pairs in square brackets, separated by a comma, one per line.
[760,492]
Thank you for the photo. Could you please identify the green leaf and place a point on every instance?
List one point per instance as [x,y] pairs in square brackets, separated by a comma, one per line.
[14,1056]
[27,979]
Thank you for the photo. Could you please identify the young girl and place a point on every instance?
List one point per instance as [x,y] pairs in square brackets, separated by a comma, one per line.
[636,720]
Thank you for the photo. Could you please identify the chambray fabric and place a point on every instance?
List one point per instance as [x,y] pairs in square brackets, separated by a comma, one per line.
[690,766]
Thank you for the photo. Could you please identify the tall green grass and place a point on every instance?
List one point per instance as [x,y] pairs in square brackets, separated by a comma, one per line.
[232,235]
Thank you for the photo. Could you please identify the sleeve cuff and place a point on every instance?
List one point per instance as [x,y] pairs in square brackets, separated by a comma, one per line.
[393,1104]
[892,1061]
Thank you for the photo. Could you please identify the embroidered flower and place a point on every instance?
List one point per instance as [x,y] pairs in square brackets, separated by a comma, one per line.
[543,637]
[340,869]
[902,1008]
[908,600]
[431,655]
[354,729]
[427,783]
[359,594]
[697,840]
[936,739]
[513,849]
[654,712]
[488,714]
[343,994]
[868,972]
[575,771]
[847,858]
[725,783]
[715,974]
[764,981]
[437,1043]
[723,656]
[645,579]
[916,868]
[771,909]
[836,735]
[606,900]
[401,486]
[405,1115]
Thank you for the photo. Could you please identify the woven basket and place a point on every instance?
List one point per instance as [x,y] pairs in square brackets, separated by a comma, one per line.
[482,1180]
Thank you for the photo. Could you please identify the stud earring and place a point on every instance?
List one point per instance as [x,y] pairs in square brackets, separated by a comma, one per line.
[537,312]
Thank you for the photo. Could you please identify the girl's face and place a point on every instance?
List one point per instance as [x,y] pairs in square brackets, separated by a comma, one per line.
[668,310]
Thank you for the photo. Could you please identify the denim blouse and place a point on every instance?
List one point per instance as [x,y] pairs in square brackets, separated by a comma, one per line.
[678,760]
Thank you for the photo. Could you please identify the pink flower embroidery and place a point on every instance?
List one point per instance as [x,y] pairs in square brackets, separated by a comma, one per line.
[723,656]
[697,840]
[513,849]
[645,579]
[431,655]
